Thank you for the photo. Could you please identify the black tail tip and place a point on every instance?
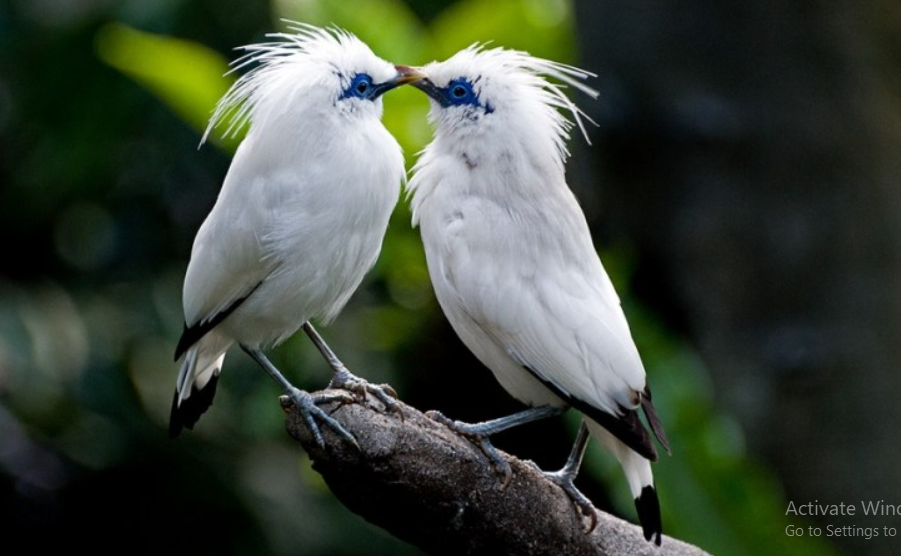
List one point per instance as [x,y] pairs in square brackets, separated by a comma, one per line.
[648,507]
[186,415]
[176,426]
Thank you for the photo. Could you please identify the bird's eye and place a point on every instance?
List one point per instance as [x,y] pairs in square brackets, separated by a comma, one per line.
[360,86]
[459,91]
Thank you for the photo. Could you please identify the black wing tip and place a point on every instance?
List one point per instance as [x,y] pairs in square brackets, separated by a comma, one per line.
[648,506]
[627,426]
[192,334]
[186,415]
[656,425]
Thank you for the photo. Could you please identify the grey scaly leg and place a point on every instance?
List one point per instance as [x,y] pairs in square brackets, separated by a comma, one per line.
[480,432]
[305,402]
[346,380]
[564,477]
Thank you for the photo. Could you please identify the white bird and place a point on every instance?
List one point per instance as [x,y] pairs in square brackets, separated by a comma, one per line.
[513,265]
[301,215]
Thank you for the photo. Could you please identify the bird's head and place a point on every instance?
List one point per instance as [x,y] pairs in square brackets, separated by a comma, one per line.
[494,96]
[306,73]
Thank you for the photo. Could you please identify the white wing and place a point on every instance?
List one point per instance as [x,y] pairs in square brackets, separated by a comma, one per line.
[534,284]
[227,260]
[535,288]
[574,335]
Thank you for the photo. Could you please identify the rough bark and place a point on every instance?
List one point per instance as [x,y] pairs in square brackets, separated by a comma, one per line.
[436,490]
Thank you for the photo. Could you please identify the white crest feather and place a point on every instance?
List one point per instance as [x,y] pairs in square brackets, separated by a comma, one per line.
[534,71]
[553,93]
[517,75]
[237,105]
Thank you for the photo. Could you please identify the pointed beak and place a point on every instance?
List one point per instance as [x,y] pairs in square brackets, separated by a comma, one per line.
[426,86]
[405,74]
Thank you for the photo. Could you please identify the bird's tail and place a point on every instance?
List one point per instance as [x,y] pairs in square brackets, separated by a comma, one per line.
[197,380]
[641,481]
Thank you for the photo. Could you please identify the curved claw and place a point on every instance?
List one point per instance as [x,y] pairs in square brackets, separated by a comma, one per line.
[307,405]
[384,393]
[476,433]
[564,480]
[500,464]
[305,402]
[565,477]
[387,395]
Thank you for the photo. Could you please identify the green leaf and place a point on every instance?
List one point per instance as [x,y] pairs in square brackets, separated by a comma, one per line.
[389,27]
[541,27]
[187,76]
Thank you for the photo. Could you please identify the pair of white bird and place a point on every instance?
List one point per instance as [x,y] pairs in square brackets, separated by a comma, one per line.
[306,202]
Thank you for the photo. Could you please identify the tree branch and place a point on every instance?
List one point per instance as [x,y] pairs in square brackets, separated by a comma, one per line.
[432,488]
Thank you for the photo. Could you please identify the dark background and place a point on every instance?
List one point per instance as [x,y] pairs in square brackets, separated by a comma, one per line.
[742,186]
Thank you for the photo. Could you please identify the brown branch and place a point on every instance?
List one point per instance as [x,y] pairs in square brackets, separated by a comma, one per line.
[428,486]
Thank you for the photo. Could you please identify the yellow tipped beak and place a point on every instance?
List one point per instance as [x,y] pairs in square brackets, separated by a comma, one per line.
[406,74]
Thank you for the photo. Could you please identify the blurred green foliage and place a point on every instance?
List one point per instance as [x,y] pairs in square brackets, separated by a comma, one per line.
[188,76]
[102,191]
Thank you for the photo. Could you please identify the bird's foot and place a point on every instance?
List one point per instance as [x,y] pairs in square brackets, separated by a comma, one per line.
[308,406]
[564,479]
[478,433]
[384,393]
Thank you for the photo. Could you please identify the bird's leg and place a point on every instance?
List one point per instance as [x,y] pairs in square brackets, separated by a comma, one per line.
[480,432]
[305,402]
[346,380]
[564,478]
